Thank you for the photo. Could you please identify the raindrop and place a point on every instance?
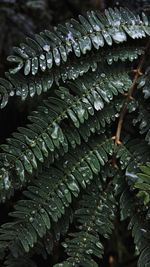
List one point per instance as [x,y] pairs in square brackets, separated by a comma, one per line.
[119,36]
[65,245]
[85,44]
[98,104]
[7,182]
[146,92]
[42,210]
[55,132]
[107,37]
[11,93]
[46,47]
[33,212]
[143,124]
[70,36]
[110,61]
[31,219]
[42,57]
[18,92]
[103,75]
[49,61]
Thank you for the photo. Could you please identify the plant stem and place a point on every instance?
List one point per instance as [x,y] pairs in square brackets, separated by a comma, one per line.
[138,73]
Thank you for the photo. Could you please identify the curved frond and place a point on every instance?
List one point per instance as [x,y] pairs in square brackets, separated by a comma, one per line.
[78,37]
[30,86]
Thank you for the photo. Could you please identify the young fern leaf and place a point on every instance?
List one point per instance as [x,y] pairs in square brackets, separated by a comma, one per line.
[94,217]
[93,30]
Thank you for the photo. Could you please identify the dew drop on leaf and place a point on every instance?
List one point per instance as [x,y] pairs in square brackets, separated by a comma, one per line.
[46,48]
[31,219]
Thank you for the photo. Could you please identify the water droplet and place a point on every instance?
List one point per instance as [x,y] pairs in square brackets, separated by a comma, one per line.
[33,212]
[119,36]
[18,92]
[42,210]
[46,47]
[65,245]
[49,61]
[31,219]
[143,124]
[110,61]
[7,182]
[55,132]
[11,93]
[70,36]
[103,75]
[42,57]
[98,104]
[85,44]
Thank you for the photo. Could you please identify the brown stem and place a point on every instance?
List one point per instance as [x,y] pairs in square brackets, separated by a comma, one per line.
[138,73]
[100,4]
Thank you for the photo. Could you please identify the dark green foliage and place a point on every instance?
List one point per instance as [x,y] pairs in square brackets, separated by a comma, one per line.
[95,218]
[81,161]
[53,48]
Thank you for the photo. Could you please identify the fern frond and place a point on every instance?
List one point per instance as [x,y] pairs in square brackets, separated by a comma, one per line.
[44,247]
[130,157]
[33,144]
[23,87]
[53,48]
[52,192]
[95,218]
